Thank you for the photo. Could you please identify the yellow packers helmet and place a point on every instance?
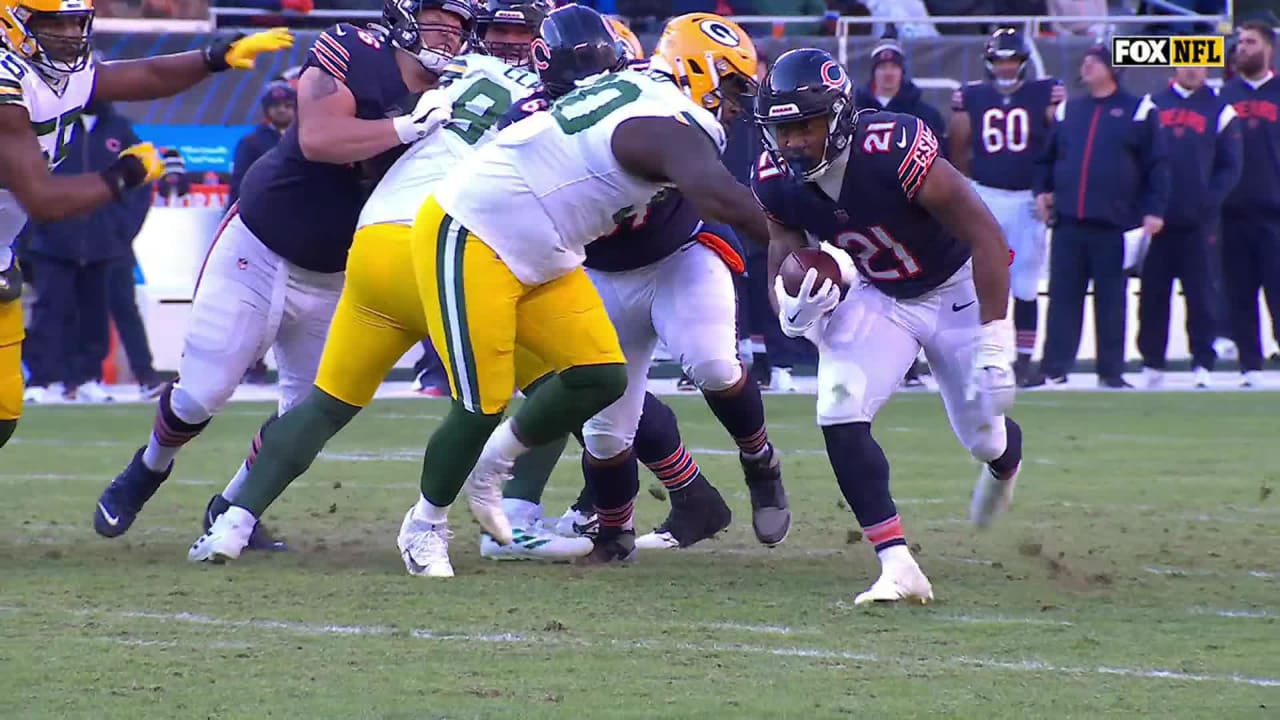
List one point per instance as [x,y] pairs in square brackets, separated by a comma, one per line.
[52,35]
[711,58]
[635,51]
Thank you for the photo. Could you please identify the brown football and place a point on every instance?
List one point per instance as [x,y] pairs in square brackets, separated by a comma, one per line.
[797,264]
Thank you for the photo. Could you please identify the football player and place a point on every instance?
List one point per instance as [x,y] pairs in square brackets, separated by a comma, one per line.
[47,77]
[491,288]
[664,274]
[506,27]
[274,272]
[1013,116]
[379,315]
[925,266]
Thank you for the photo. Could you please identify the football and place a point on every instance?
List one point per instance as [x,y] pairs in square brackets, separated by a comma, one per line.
[797,264]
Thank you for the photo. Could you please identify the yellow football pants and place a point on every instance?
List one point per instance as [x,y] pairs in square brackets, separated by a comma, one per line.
[478,314]
[11,334]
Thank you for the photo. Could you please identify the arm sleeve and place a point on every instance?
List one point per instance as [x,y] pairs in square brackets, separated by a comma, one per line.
[1228,157]
[1154,159]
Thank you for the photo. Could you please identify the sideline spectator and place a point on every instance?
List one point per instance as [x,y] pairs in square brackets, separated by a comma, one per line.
[279,107]
[891,89]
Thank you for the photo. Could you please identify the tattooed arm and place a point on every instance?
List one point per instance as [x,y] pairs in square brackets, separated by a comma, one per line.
[328,129]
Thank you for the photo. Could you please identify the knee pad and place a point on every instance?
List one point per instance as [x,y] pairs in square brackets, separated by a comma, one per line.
[605,443]
[987,442]
[188,407]
[716,375]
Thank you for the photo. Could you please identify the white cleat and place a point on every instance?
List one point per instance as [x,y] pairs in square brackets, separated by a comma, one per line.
[781,381]
[226,538]
[536,542]
[657,539]
[900,579]
[1152,378]
[1201,378]
[992,495]
[484,497]
[574,523]
[424,547]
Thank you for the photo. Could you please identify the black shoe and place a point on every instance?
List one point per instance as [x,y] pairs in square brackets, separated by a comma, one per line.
[697,513]
[1115,382]
[260,539]
[611,545]
[1037,378]
[770,513]
[120,503]
[1022,369]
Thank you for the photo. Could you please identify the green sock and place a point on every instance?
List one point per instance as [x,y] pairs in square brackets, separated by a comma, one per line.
[567,400]
[533,471]
[6,430]
[289,445]
[452,451]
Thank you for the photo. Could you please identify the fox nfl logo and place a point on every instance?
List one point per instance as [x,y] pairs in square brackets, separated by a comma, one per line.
[1168,51]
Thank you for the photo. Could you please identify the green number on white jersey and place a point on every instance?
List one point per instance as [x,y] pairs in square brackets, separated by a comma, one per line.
[478,109]
[588,105]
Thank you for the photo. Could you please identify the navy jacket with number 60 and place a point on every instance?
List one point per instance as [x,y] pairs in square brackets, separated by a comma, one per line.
[1105,161]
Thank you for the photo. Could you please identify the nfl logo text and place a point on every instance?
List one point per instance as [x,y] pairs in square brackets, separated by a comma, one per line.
[1167,51]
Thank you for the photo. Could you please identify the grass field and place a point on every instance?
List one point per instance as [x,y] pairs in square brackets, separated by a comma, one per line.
[1137,576]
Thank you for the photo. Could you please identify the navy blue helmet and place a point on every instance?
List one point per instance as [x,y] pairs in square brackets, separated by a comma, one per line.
[576,43]
[801,85]
[1006,44]
[400,18]
[527,14]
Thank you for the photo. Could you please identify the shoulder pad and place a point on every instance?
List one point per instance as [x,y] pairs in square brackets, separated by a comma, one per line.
[769,185]
[337,49]
[12,72]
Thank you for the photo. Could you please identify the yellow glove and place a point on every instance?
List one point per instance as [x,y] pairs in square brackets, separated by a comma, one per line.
[241,52]
[150,159]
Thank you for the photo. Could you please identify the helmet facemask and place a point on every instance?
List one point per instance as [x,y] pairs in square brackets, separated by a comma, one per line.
[512,52]
[840,128]
[56,43]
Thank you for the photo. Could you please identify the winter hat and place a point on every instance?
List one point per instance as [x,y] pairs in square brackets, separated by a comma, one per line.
[1102,54]
[277,92]
[173,163]
[888,50]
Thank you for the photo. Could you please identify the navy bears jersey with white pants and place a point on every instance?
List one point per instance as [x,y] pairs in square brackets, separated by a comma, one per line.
[274,273]
[1008,130]
[916,289]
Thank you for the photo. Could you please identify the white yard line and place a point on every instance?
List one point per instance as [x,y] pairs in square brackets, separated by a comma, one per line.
[1036,666]
[1190,572]
[1236,614]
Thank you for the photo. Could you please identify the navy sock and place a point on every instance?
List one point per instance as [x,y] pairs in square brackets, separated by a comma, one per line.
[658,446]
[740,410]
[1026,315]
[862,471]
[614,483]
[1012,455]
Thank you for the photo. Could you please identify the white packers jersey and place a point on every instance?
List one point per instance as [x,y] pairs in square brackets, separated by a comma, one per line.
[53,117]
[482,88]
[549,185]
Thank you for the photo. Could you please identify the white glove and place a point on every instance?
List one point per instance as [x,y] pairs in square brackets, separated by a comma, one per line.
[434,109]
[992,384]
[848,271]
[798,314]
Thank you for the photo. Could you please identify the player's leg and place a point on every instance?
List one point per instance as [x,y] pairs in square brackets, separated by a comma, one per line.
[862,356]
[1153,302]
[994,441]
[469,299]
[238,303]
[695,313]
[1026,237]
[11,386]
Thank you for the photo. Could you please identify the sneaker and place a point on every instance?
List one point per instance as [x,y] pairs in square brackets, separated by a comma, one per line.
[697,513]
[611,545]
[1038,378]
[225,539]
[901,579]
[1201,378]
[151,388]
[770,513]
[1021,369]
[780,380]
[992,495]
[535,542]
[1152,379]
[1251,379]
[93,392]
[1114,383]
[424,546]
[120,503]
[575,523]
[261,539]
[37,395]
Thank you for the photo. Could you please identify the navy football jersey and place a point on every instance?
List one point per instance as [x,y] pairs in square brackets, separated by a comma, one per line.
[644,235]
[895,243]
[306,211]
[1008,130]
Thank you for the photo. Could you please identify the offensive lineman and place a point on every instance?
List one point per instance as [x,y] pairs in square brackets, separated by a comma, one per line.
[274,272]
[47,78]
[1013,117]
[492,289]
[872,187]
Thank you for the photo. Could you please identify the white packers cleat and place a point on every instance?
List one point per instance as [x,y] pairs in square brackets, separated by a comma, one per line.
[535,542]
[484,497]
[226,538]
[1201,378]
[900,579]
[424,547]
[992,495]
[1152,378]
[574,523]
